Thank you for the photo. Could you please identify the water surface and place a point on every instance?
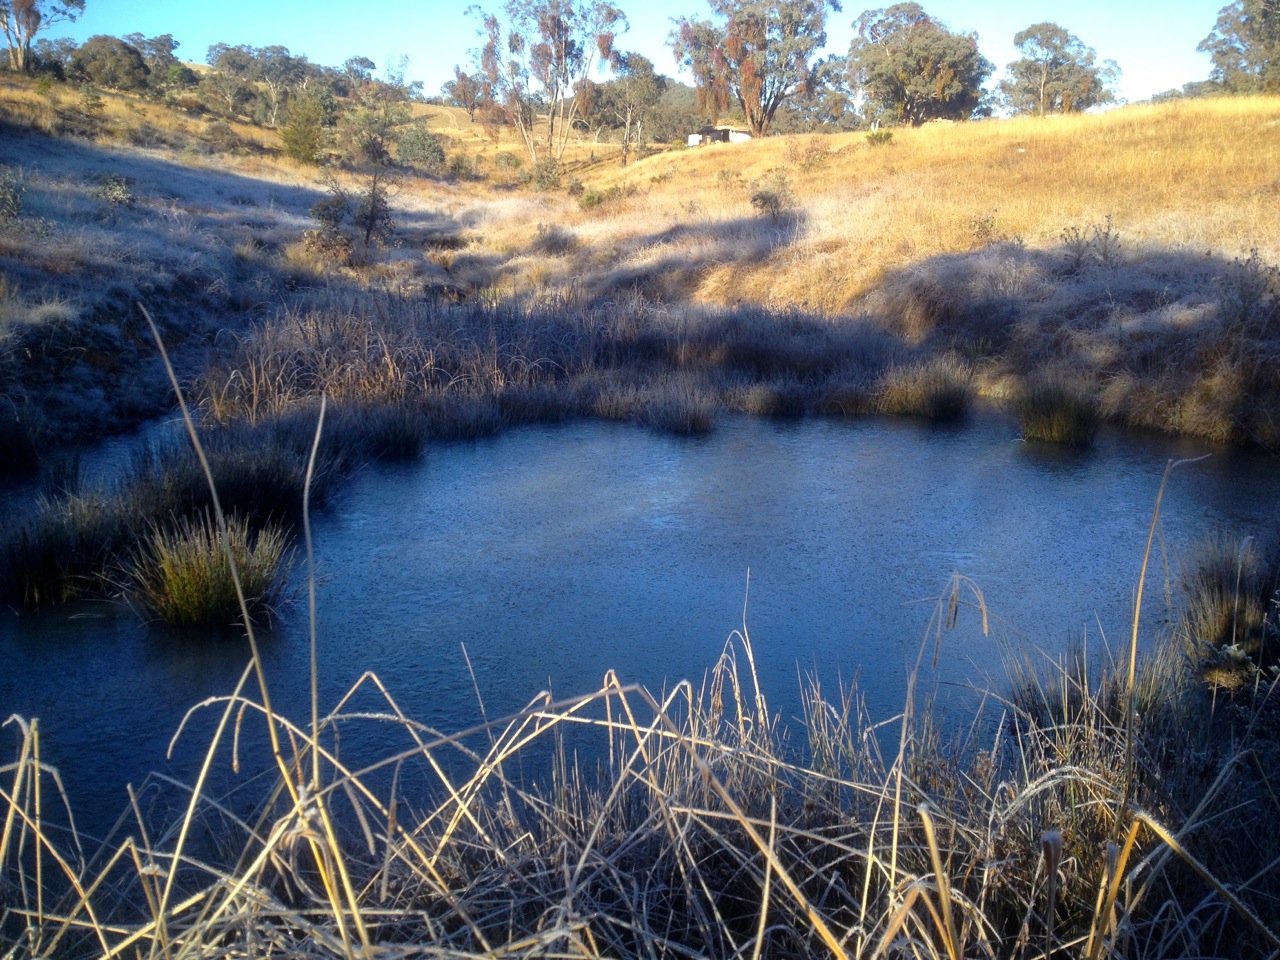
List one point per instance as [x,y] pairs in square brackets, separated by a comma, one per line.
[553,554]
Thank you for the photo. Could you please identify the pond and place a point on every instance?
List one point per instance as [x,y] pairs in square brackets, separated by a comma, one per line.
[553,554]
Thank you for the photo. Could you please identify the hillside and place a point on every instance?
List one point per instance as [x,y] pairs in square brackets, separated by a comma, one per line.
[1129,254]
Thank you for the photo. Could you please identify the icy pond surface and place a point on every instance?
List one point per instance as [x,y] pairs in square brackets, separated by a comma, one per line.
[554,554]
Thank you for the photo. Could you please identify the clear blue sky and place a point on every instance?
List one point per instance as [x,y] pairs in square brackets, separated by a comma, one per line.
[1154,41]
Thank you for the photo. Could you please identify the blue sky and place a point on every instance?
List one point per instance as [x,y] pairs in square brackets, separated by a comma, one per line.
[1154,41]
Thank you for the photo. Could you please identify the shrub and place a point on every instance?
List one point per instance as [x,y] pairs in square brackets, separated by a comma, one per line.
[1054,408]
[1097,245]
[879,138]
[113,190]
[220,135]
[418,147]
[462,167]
[11,193]
[611,196]
[303,135]
[771,195]
[1250,296]
[546,175]
[508,161]
[90,102]
[329,241]
[554,240]
[183,575]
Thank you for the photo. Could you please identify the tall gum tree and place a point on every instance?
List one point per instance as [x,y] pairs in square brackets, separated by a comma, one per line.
[1245,47]
[909,66]
[21,20]
[541,54]
[759,53]
[1057,73]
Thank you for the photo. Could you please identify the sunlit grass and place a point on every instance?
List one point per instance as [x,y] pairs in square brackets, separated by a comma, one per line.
[1057,409]
[182,574]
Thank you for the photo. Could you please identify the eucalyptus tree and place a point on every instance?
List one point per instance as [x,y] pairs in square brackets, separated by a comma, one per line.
[109,62]
[909,66]
[1058,73]
[1245,47]
[626,103]
[21,20]
[543,52]
[465,91]
[757,53]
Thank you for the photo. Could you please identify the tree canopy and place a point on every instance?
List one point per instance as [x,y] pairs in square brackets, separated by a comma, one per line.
[544,51]
[21,20]
[910,66]
[110,62]
[1245,47]
[758,53]
[1057,73]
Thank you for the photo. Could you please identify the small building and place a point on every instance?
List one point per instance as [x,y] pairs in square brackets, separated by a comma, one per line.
[719,134]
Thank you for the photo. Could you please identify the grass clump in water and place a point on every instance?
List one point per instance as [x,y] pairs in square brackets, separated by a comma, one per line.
[182,574]
[938,390]
[1055,409]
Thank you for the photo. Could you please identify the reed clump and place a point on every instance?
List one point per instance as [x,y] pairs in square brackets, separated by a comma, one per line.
[184,573]
[1055,408]
[939,390]
[1229,620]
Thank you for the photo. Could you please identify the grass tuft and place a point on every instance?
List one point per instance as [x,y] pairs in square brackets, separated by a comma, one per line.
[939,390]
[1229,620]
[182,574]
[1055,409]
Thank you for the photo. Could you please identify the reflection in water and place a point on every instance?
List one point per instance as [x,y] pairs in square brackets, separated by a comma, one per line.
[556,553]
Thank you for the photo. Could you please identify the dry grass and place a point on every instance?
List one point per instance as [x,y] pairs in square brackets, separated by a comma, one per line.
[1121,246]
[699,833]
[182,575]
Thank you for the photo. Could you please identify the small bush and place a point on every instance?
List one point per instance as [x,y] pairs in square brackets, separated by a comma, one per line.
[1097,245]
[1056,409]
[220,135]
[879,138]
[418,147]
[114,191]
[329,241]
[554,240]
[771,195]
[1250,296]
[182,574]
[546,175]
[11,193]
[610,196]
[462,167]
[90,102]
[508,161]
